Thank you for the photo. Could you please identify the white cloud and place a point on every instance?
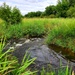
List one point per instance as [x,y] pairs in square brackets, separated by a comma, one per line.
[26,6]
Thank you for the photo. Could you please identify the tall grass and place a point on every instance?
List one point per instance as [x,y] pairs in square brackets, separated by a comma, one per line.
[9,65]
[2,27]
[60,31]
[63,34]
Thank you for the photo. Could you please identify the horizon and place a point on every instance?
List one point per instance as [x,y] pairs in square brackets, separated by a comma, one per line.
[26,6]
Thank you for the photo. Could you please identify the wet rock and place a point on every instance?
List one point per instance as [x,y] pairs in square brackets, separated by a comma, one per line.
[27,41]
[18,45]
[41,51]
[12,48]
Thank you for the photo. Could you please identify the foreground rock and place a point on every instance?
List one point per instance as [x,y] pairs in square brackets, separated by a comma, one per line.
[37,48]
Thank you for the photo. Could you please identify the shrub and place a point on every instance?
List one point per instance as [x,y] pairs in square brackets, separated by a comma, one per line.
[14,31]
[71,12]
[11,16]
[52,16]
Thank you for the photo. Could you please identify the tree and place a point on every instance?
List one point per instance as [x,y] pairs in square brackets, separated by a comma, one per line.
[62,7]
[16,16]
[50,10]
[71,12]
[71,2]
[5,12]
[38,13]
[11,16]
[33,14]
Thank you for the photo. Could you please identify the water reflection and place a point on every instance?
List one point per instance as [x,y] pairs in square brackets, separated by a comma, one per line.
[64,51]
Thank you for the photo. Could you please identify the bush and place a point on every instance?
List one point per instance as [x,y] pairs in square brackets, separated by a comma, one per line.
[11,16]
[14,31]
[71,12]
[52,16]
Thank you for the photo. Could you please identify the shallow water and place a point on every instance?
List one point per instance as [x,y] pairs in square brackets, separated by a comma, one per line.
[67,53]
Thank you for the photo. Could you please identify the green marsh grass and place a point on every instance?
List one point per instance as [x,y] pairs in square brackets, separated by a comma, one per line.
[7,64]
[59,31]
[23,68]
[2,27]
[63,35]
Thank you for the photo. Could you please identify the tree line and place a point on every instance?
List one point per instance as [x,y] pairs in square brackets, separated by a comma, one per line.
[64,8]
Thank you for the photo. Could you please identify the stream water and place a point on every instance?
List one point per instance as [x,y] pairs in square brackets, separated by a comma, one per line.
[66,53]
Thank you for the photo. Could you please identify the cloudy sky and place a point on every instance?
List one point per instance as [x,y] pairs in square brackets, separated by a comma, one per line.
[26,6]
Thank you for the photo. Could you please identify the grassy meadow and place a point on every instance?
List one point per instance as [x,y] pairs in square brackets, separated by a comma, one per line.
[56,31]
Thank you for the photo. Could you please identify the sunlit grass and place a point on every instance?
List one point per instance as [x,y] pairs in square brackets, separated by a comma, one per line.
[63,34]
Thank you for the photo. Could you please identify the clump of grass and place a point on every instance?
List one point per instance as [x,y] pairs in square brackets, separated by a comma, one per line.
[59,71]
[2,27]
[14,31]
[34,29]
[7,64]
[23,68]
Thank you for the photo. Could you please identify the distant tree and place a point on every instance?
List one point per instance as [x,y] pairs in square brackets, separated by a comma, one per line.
[30,15]
[43,14]
[38,13]
[71,12]
[33,14]
[11,16]
[16,16]
[5,12]
[62,7]
[71,2]
[50,10]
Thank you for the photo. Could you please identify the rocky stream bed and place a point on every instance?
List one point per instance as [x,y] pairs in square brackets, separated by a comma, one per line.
[36,47]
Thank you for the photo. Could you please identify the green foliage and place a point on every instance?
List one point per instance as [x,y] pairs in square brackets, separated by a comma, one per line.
[11,16]
[71,2]
[2,27]
[63,70]
[71,12]
[63,35]
[50,10]
[7,64]
[33,28]
[23,68]
[14,31]
[15,16]
[62,8]
[33,14]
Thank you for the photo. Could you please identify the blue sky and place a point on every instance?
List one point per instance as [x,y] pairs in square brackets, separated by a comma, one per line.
[26,6]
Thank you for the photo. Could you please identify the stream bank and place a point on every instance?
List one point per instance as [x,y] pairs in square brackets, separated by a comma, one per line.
[37,48]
